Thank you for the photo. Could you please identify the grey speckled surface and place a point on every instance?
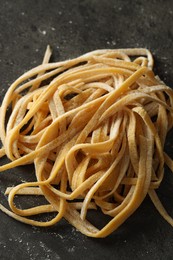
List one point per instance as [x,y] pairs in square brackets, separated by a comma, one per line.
[72,28]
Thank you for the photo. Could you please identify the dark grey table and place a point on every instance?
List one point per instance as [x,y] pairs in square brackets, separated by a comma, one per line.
[73,28]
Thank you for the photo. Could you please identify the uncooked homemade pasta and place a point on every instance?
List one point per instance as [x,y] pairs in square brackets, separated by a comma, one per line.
[93,128]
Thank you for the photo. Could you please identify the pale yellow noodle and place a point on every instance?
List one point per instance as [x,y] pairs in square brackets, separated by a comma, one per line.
[93,128]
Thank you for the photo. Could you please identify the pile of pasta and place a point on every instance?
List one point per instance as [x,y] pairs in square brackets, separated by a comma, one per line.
[94,127]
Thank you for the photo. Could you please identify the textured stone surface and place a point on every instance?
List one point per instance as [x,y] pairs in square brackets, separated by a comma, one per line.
[73,28]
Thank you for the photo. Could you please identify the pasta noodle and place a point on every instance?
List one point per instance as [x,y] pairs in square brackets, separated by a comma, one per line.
[93,127]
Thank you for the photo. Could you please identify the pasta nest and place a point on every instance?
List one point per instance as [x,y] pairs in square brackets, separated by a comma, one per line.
[93,128]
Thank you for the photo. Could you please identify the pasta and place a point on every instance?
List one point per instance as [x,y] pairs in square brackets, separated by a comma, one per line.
[93,128]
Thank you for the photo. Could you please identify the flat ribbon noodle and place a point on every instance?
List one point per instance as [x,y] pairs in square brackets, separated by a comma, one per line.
[93,128]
